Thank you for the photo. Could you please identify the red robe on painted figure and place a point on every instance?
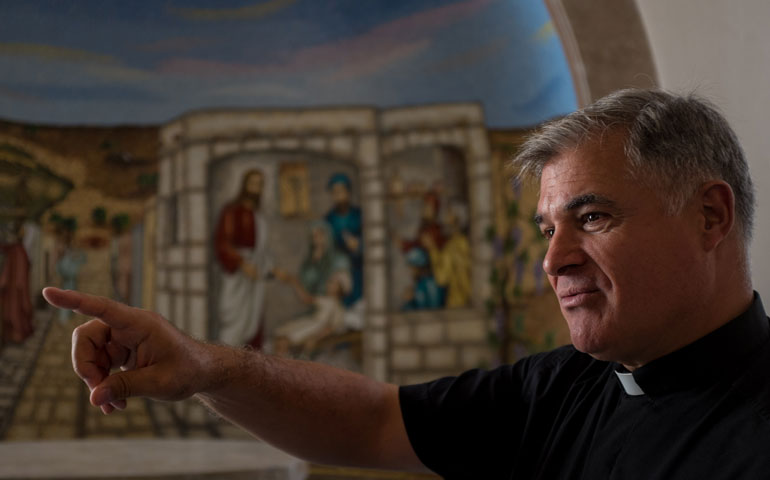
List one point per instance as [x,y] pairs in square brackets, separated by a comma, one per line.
[428,226]
[239,238]
[15,302]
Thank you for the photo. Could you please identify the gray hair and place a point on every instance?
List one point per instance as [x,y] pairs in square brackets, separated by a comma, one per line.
[674,144]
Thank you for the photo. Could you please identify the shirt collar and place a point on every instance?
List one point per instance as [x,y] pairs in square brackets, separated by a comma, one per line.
[720,354]
[629,383]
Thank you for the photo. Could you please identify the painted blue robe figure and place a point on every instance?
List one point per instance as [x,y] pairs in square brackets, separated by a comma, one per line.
[425,293]
[345,221]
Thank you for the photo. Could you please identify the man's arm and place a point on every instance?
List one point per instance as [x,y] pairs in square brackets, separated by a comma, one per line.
[313,411]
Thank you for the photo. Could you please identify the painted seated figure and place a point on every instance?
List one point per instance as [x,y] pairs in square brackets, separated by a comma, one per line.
[327,317]
[323,283]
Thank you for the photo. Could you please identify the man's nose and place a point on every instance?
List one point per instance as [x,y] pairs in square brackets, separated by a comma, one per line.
[564,252]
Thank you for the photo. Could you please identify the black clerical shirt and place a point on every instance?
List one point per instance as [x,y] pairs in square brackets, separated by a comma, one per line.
[702,412]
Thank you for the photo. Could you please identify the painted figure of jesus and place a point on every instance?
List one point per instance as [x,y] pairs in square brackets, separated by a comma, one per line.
[241,251]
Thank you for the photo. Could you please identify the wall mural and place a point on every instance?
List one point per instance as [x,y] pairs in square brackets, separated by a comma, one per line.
[428,225]
[319,180]
[287,273]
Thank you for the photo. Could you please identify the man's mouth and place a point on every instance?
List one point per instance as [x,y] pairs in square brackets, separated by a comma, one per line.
[576,297]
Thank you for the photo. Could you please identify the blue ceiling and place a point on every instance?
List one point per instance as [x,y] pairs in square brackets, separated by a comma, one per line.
[112,62]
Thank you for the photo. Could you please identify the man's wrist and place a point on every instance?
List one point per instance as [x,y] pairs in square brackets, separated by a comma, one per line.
[222,367]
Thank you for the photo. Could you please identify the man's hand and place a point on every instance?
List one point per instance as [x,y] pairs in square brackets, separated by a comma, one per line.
[155,358]
[313,411]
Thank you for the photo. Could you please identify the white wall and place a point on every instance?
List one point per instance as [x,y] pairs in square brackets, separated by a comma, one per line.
[721,49]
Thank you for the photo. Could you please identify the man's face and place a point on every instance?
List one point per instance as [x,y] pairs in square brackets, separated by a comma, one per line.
[625,272]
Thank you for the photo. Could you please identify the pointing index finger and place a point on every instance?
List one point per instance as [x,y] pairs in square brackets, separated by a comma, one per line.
[109,311]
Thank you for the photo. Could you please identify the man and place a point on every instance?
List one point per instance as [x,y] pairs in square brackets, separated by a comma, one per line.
[647,204]
[241,250]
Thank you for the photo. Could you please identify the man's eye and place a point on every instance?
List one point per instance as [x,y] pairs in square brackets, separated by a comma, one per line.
[548,233]
[592,217]
[594,221]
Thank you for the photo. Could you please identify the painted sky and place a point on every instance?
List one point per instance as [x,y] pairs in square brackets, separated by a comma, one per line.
[146,61]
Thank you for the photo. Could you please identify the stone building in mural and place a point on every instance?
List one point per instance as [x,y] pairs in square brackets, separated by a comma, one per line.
[203,156]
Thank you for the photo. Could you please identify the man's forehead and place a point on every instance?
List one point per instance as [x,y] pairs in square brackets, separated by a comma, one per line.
[598,162]
[563,184]
[570,183]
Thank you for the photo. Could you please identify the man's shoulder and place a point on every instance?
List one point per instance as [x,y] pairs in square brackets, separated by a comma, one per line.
[563,365]
[754,385]
[546,378]
[549,372]
[566,356]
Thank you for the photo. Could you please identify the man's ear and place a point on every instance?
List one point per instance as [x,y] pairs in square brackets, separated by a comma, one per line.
[716,203]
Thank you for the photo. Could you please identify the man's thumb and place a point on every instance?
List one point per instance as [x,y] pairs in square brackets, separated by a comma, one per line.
[120,386]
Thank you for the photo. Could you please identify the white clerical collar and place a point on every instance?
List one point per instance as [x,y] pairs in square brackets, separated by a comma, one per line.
[629,383]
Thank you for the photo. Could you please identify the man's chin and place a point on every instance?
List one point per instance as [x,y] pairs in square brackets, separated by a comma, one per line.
[598,348]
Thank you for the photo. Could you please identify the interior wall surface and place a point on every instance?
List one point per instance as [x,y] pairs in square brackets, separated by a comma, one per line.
[719,50]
